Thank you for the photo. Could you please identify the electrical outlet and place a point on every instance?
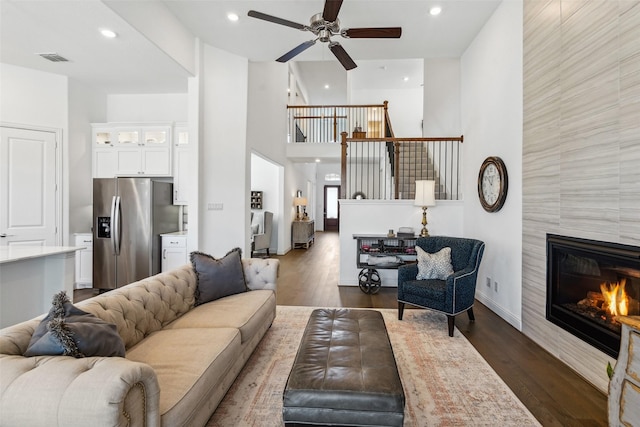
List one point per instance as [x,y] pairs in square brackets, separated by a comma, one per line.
[489,281]
[495,286]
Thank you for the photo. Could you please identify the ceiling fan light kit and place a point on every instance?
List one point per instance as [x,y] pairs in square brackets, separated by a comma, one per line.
[325,25]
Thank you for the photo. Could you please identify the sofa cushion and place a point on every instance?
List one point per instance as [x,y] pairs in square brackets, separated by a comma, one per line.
[189,364]
[218,278]
[69,331]
[434,266]
[247,311]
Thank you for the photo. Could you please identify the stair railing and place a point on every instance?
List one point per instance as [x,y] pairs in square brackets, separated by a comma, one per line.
[321,123]
[370,170]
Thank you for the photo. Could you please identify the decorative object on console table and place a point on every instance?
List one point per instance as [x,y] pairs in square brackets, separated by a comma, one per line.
[376,251]
[302,233]
[425,196]
[358,133]
[256,199]
[301,204]
[624,387]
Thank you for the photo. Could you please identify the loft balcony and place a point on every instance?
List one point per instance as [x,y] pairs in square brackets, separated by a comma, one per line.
[374,163]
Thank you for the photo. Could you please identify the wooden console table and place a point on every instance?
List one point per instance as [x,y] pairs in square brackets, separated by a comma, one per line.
[624,387]
[303,233]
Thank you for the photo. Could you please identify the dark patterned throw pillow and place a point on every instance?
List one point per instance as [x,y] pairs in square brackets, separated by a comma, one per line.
[218,278]
[69,331]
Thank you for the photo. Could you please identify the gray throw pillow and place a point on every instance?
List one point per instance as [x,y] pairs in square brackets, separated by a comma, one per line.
[218,278]
[69,331]
[434,266]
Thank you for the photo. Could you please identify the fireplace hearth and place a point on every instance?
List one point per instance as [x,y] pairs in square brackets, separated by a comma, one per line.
[589,283]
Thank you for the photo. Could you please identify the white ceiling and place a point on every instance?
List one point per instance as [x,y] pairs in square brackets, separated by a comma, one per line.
[133,64]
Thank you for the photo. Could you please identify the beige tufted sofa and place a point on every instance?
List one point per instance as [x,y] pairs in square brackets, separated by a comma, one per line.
[180,359]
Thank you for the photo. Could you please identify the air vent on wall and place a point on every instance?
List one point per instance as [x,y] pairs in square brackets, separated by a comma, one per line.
[53,57]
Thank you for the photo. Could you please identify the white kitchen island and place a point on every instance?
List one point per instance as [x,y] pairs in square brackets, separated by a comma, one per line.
[29,278]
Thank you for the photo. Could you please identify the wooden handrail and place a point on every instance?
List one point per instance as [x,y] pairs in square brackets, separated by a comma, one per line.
[416,139]
[396,153]
[337,106]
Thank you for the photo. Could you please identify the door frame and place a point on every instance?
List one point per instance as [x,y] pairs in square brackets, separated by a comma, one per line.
[61,199]
[324,206]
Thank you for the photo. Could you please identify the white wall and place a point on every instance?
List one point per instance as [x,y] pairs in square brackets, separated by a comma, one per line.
[266,137]
[223,154]
[405,108]
[441,97]
[491,117]
[86,105]
[378,216]
[39,99]
[164,107]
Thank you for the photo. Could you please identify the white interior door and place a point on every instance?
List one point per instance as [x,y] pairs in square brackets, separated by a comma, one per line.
[28,161]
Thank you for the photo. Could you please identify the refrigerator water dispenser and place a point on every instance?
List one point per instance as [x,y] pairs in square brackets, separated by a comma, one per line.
[104,227]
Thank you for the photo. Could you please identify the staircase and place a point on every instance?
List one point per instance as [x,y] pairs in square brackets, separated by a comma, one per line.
[416,164]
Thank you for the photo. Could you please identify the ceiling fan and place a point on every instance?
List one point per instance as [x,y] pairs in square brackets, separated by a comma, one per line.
[323,26]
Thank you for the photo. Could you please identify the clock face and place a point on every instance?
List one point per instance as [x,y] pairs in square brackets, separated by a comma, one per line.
[492,184]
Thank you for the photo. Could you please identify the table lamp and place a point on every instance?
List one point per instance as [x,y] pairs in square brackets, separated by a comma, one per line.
[425,196]
[299,202]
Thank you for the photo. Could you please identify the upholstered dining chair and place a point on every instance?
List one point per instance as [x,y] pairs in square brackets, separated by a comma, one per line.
[440,283]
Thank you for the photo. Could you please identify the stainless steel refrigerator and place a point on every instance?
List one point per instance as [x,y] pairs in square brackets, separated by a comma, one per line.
[129,214]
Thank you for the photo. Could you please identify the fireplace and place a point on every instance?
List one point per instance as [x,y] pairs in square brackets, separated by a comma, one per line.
[588,284]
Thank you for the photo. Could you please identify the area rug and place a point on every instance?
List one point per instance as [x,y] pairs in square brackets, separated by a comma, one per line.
[446,382]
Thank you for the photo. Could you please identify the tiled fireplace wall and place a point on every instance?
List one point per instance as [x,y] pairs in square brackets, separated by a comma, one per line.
[581,147]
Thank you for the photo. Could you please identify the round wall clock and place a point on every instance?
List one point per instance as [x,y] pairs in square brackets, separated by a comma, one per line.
[492,184]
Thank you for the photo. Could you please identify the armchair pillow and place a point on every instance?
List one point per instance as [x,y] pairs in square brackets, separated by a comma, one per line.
[434,266]
[218,278]
[69,331]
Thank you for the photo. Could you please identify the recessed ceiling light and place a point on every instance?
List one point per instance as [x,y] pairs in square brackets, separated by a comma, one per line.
[326,86]
[406,79]
[108,33]
[233,17]
[435,10]
[317,160]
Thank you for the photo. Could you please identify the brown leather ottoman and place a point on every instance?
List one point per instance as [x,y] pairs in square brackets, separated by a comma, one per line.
[344,373]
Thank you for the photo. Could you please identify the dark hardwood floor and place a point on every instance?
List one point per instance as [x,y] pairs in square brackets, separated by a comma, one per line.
[554,394]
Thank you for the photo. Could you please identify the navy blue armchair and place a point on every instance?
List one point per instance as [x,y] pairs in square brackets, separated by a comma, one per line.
[451,296]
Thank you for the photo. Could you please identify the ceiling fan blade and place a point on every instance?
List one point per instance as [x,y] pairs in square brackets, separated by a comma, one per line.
[342,56]
[276,20]
[296,50]
[372,33]
[331,9]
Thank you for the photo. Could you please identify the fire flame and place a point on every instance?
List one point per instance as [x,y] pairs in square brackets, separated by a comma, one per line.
[615,297]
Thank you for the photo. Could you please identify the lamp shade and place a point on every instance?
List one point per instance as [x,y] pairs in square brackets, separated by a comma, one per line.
[299,201]
[425,193]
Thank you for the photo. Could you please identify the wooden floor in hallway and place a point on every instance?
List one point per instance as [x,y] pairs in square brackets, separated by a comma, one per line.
[554,394]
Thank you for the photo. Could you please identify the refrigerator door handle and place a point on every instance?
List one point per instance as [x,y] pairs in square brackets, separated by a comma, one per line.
[115,224]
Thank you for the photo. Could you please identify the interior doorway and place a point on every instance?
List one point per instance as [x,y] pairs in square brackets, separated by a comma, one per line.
[29,195]
[331,208]
[267,177]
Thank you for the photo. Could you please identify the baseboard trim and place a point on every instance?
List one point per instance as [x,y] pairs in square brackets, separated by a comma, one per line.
[509,317]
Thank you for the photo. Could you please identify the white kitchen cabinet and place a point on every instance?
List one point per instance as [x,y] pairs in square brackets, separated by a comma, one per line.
[174,250]
[182,169]
[84,260]
[131,150]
